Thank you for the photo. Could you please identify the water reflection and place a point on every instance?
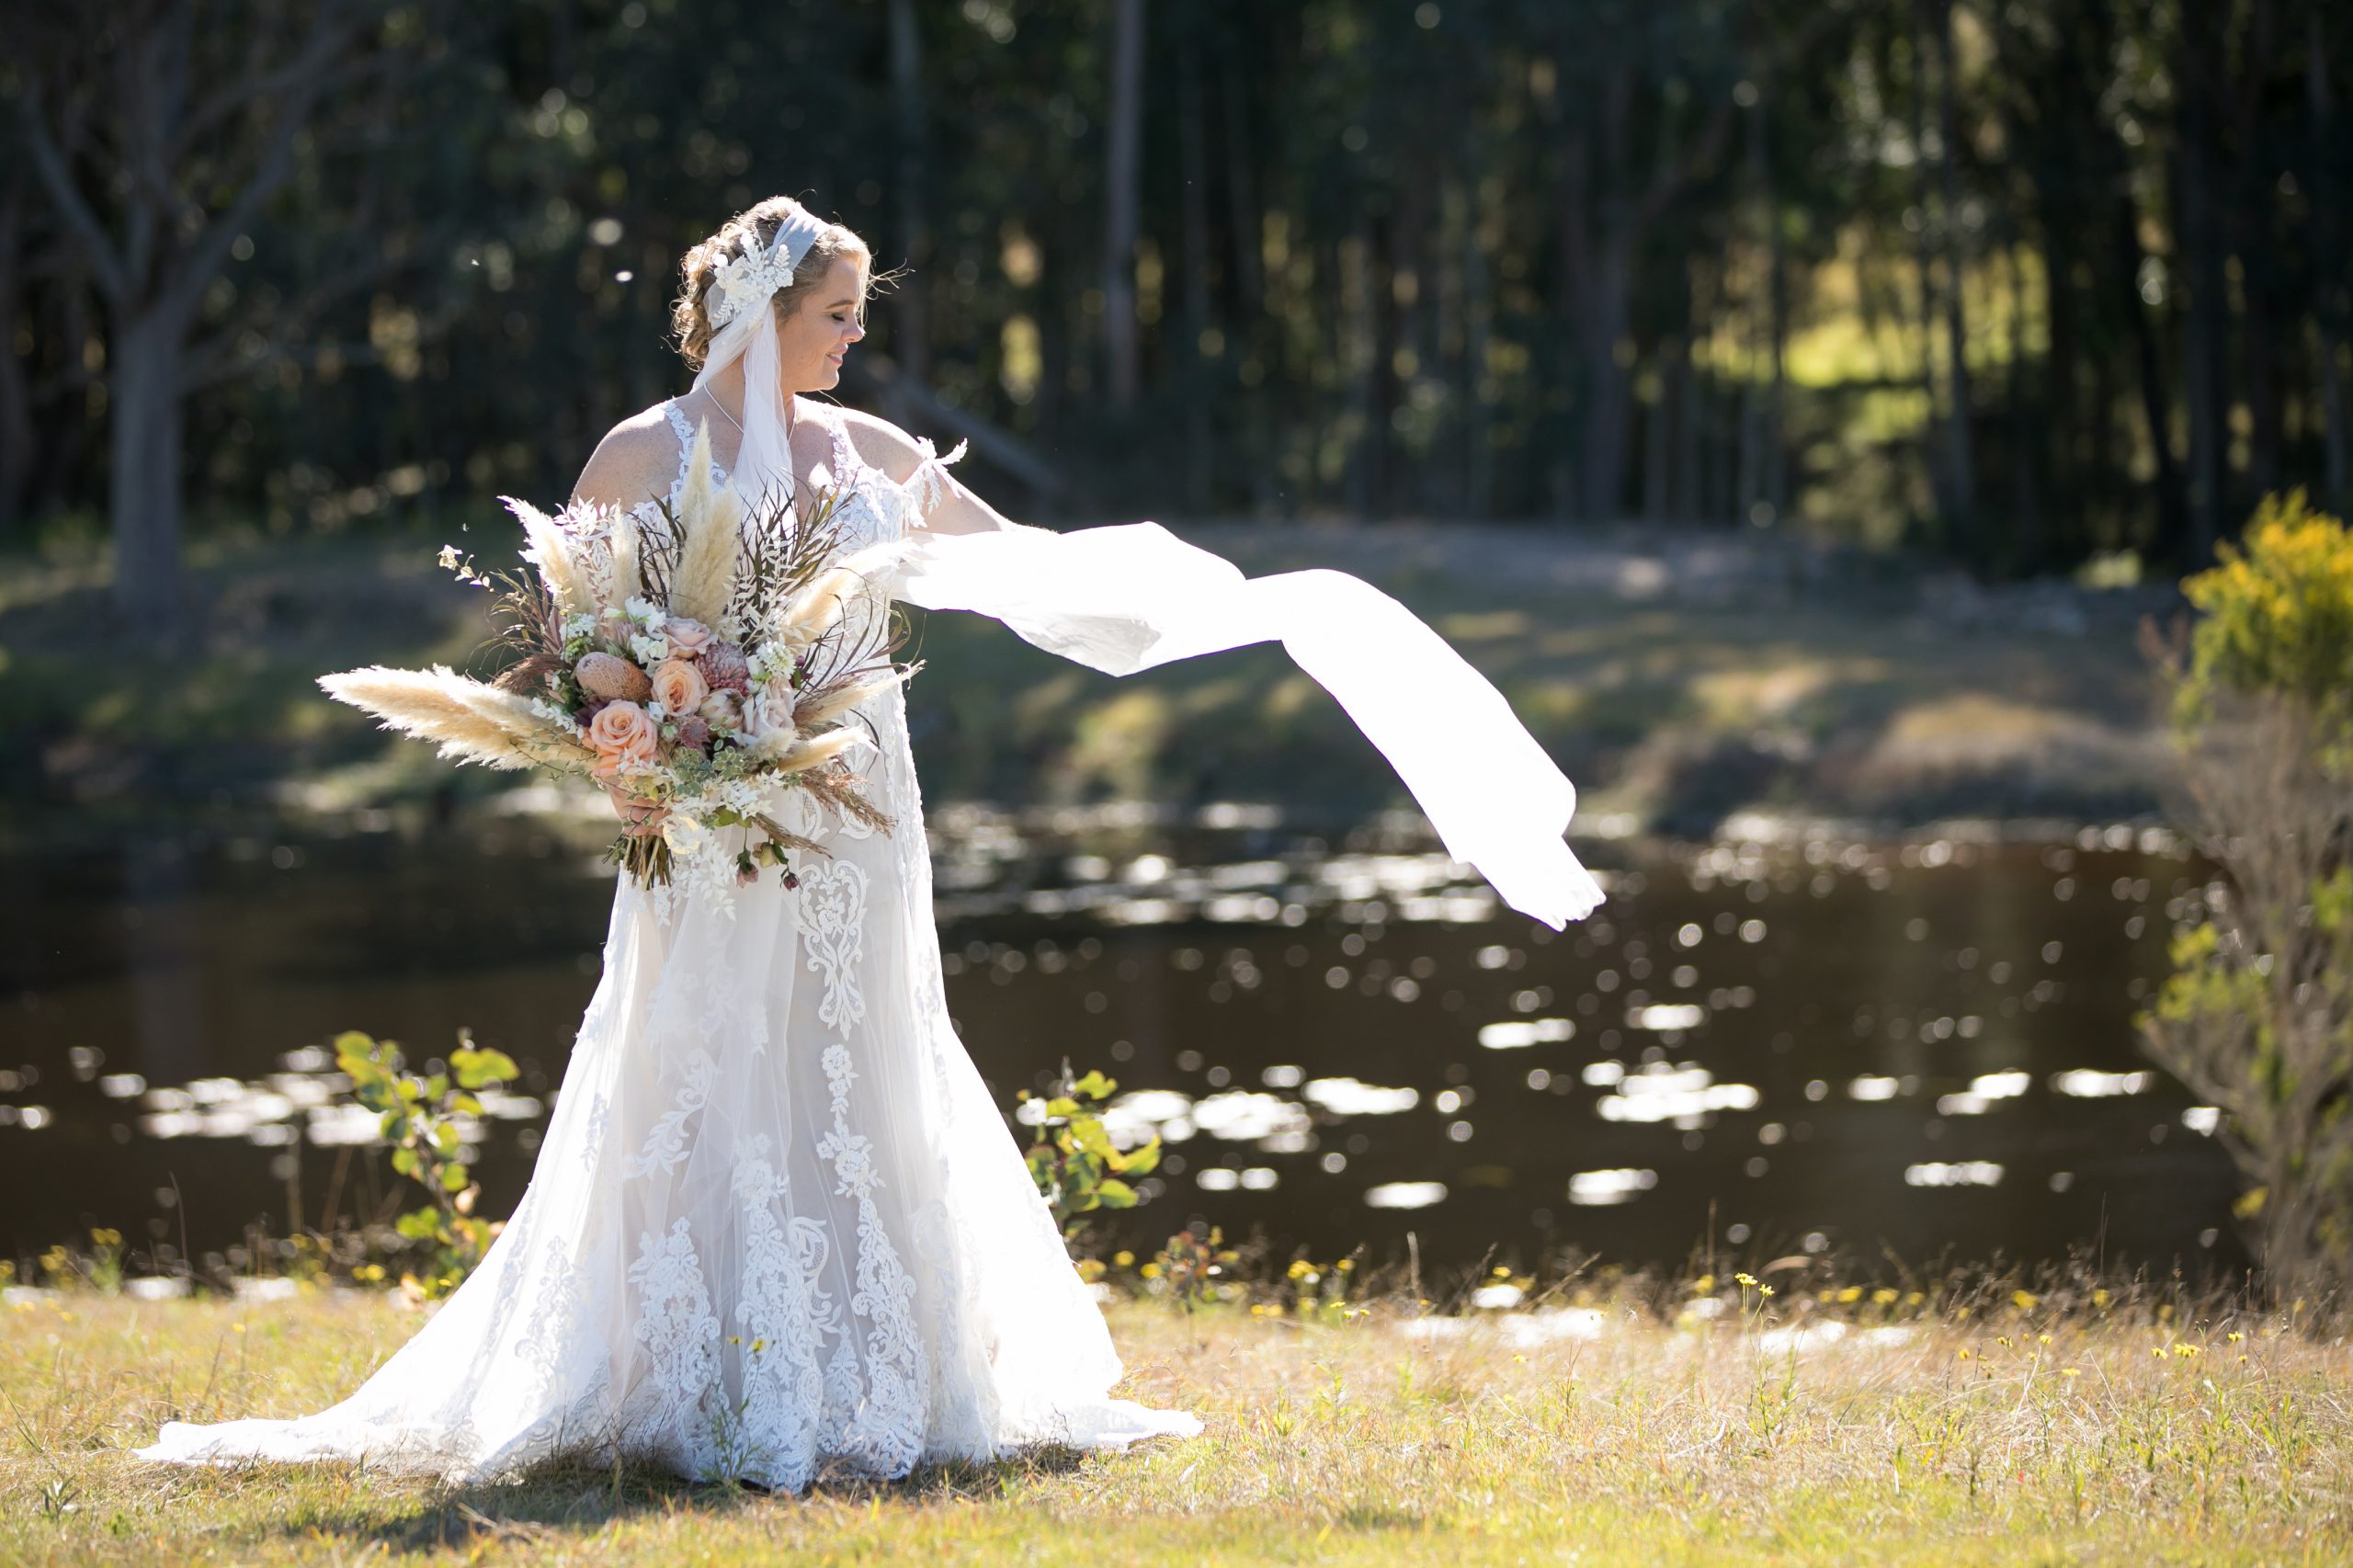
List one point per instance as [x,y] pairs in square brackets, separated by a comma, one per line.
[1923,1045]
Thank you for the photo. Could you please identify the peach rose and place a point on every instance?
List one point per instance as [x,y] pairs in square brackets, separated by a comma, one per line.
[678,686]
[622,732]
[687,637]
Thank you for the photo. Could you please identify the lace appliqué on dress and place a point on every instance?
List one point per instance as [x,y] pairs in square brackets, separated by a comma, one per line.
[833,905]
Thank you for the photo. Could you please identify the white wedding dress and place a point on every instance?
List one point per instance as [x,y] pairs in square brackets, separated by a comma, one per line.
[777,1221]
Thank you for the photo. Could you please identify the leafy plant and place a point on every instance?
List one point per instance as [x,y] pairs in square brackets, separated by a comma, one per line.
[424,1121]
[1075,1164]
[2257,1017]
[1185,1270]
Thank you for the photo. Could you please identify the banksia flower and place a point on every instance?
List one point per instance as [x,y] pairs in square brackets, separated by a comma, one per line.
[610,676]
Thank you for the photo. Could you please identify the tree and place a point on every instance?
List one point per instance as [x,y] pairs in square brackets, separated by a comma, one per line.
[159,141]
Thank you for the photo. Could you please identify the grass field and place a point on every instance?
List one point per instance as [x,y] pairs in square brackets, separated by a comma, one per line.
[1615,1432]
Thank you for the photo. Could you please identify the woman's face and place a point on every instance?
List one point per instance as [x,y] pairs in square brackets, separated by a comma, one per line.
[813,340]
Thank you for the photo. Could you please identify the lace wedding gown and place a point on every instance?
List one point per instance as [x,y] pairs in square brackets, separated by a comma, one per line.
[776,1219]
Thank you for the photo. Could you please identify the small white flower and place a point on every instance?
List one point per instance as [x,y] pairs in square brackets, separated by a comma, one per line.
[683,834]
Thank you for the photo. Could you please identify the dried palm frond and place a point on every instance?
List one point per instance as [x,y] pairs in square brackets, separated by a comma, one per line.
[436,705]
[827,702]
[530,675]
[551,551]
[836,787]
[814,751]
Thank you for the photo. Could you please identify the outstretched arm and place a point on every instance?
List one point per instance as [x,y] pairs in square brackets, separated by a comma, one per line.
[953,507]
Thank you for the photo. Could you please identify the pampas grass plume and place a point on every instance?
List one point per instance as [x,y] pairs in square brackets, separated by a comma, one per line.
[550,549]
[703,584]
[472,722]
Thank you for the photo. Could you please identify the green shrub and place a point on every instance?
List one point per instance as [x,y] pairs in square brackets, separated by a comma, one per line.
[420,1122]
[2257,1014]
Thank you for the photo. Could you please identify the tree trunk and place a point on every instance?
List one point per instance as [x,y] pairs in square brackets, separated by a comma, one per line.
[1961,465]
[2328,229]
[1241,190]
[910,314]
[2027,553]
[1936,449]
[1478,321]
[2208,325]
[1605,314]
[143,416]
[1201,457]
[16,439]
[1122,351]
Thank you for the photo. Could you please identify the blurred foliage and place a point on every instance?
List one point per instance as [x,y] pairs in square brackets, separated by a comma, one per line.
[2277,615]
[1553,258]
[425,1120]
[2257,1017]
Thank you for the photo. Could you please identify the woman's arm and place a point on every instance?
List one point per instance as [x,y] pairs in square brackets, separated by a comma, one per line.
[633,463]
[954,510]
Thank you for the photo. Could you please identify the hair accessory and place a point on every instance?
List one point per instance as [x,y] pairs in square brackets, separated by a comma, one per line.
[739,282]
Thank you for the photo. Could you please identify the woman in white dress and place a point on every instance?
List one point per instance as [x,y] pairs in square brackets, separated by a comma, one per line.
[777,1224]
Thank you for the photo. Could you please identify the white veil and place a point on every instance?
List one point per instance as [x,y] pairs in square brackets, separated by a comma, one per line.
[1126,597]
[740,302]
[1132,596]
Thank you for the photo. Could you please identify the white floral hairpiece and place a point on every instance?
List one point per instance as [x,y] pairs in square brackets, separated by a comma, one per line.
[739,282]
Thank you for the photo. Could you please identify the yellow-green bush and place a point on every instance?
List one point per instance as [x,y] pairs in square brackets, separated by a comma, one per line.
[2277,615]
[2257,1016]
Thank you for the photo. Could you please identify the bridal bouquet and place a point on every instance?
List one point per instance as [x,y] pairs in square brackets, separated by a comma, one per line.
[689,669]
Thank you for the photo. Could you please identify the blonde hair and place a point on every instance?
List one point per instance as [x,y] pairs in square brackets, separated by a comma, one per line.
[756,227]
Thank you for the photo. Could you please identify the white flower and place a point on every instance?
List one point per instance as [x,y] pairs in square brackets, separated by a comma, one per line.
[650,650]
[683,834]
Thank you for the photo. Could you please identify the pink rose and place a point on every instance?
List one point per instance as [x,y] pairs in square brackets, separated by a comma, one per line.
[678,686]
[687,637]
[722,710]
[622,732]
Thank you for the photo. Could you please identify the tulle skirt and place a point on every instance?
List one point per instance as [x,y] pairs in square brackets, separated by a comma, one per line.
[776,1221]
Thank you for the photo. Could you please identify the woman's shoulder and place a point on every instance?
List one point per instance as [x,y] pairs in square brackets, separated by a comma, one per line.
[879,443]
[636,462]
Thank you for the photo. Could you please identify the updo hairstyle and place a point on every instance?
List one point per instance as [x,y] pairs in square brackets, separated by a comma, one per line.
[755,228]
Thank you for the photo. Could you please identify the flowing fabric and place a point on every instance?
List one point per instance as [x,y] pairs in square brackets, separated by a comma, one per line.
[1132,596]
[776,1223]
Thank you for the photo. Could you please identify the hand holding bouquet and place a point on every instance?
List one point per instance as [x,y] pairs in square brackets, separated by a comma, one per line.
[690,662]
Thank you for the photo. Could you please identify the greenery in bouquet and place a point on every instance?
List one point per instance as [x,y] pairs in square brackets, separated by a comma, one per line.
[689,659]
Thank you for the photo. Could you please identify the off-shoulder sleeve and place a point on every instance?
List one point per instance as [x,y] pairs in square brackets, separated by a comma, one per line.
[925,485]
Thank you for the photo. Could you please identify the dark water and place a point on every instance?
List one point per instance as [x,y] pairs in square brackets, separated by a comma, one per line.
[1920,1047]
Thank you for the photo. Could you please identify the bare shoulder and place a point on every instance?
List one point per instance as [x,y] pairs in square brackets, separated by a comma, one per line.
[882,443]
[636,460]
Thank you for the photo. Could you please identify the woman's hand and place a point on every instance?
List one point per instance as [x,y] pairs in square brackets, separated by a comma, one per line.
[639,819]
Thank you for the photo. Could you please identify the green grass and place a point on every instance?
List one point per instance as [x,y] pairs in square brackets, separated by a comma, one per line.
[2012,1435]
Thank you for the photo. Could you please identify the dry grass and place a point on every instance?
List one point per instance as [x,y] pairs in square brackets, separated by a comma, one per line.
[1606,1434]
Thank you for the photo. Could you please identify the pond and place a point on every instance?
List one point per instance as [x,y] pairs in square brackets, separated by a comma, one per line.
[1920,1051]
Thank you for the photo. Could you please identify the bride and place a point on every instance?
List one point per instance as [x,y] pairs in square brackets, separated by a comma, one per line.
[776,1225]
